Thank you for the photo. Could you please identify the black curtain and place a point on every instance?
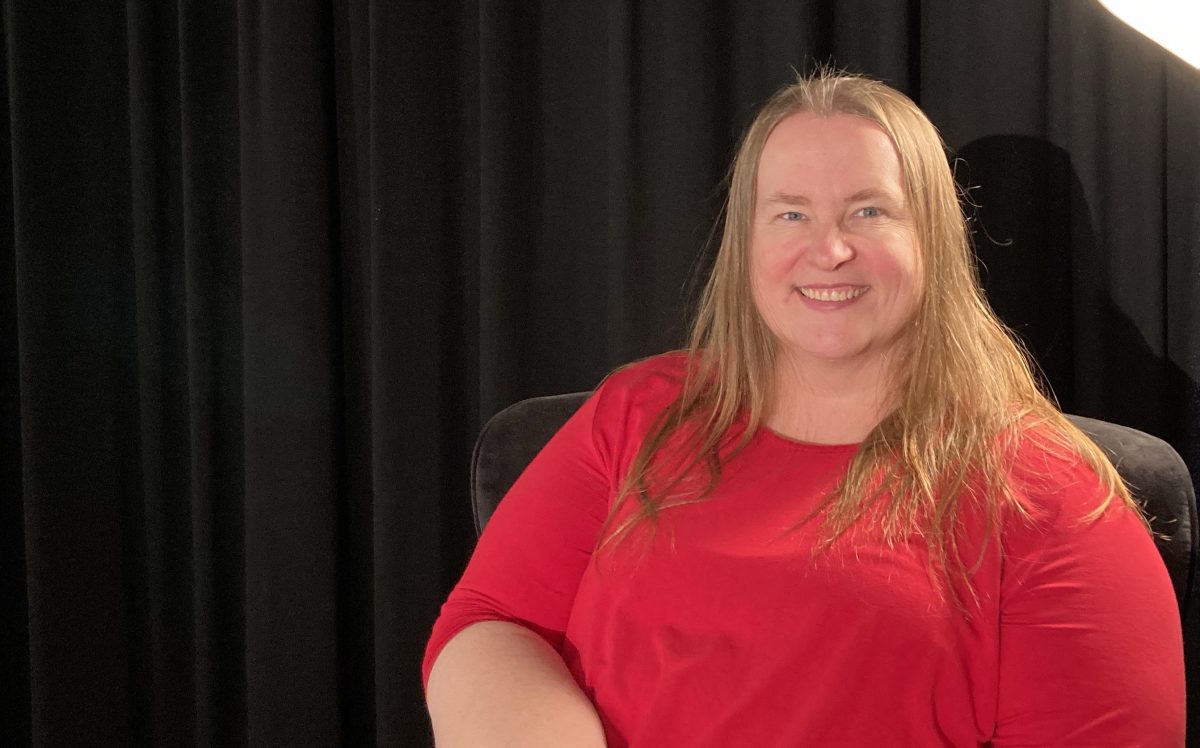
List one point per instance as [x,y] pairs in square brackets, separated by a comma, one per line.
[271,264]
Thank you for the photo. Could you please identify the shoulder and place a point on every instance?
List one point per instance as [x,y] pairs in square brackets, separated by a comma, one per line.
[664,368]
[629,400]
[1057,496]
[648,383]
[1046,468]
[1049,476]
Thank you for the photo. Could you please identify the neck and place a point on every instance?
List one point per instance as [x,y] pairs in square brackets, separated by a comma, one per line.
[829,402]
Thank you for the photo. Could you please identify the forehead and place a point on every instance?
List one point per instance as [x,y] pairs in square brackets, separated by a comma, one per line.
[840,153]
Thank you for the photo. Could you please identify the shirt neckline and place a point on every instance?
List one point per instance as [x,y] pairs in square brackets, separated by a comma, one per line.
[767,433]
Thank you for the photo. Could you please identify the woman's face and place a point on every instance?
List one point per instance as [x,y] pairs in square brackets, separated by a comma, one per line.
[834,266]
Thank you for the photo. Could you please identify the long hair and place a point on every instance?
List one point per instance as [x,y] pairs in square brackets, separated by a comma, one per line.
[965,394]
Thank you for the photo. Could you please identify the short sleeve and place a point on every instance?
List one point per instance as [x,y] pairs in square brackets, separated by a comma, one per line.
[1091,647]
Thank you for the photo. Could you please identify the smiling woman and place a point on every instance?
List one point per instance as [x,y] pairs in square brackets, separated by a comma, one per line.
[845,515]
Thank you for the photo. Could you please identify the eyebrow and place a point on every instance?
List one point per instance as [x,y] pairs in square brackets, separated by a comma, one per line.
[786,199]
[871,193]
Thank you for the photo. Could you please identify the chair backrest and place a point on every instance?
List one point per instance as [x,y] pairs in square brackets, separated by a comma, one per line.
[1152,467]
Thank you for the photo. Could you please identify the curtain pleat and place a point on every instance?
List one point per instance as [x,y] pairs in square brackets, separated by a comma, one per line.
[14,612]
[74,277]
[210,560]
[271,264]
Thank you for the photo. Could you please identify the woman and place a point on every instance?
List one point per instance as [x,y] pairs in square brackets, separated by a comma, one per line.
[845,515]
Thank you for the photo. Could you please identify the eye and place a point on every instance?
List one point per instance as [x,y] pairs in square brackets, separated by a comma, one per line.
[870,212]
[791,215]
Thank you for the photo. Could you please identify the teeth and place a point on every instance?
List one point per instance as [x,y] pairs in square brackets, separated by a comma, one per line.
[829,294]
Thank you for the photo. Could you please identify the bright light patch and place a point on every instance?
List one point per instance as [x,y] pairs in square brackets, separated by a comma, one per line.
[1175,24]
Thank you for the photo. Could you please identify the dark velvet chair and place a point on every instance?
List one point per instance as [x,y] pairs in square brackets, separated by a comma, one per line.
[1152,467]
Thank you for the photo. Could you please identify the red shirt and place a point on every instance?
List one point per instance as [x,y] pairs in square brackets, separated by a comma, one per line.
[720,630]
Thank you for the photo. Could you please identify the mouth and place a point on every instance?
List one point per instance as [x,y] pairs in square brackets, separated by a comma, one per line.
[843,293]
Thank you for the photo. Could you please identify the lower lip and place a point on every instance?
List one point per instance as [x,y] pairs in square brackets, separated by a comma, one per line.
[829,306]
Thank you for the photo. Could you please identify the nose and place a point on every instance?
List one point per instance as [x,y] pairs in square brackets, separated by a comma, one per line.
[830,248]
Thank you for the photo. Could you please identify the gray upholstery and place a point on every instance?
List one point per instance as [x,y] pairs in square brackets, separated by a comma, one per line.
[1151,466]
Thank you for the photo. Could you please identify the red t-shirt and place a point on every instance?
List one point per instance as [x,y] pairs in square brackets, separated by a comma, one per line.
[719,629]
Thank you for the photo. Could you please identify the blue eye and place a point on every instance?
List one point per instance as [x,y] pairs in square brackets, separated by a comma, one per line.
[869,212]
[792,215]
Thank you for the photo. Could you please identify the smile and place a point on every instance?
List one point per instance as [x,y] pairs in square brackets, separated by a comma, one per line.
[832,294]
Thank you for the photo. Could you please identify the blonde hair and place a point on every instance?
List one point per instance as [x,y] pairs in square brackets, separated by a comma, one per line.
[965,394]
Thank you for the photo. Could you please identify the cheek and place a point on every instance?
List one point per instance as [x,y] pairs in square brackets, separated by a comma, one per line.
[902,266]
[764,288]
[772,262]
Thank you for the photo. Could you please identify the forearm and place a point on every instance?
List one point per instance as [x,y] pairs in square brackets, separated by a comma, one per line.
[500,684]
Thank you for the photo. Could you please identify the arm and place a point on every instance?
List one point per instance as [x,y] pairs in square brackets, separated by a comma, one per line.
[498,683]
[493,660]
[1091,648]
